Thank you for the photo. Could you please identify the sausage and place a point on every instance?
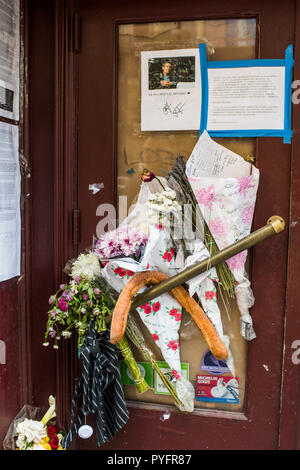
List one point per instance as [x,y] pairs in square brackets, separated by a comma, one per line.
[145,278]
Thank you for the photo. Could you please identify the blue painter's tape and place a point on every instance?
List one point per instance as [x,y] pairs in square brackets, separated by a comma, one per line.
[229,64]
[287,62]
[204,86]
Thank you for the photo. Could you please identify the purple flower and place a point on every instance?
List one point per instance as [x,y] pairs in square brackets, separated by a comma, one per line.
[52,334]
[53,313]
[51,299]
[63,286]
[85,296]
[147,176]
[96,291]
[77,279]
[62,305]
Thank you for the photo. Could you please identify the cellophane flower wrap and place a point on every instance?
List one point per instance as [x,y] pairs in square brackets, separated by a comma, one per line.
[33,429]
[162,316]
[225,186]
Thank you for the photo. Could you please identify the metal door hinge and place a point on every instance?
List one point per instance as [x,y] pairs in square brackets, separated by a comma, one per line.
[76,226]
[76,33]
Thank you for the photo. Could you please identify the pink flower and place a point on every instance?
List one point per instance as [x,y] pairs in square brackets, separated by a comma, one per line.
[155,337]
[62,305]
[51,299]
[175,373]
[218,227]
[244,184]
[247,215]
[237,262]
[206,196]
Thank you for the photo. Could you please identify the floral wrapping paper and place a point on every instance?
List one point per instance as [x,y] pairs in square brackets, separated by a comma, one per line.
[226,189]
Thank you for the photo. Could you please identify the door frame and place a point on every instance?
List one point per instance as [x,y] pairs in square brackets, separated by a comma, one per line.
[265,352]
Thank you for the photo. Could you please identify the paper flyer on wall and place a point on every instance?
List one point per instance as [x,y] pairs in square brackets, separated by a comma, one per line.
[9,58]
[170,90]
[10,188]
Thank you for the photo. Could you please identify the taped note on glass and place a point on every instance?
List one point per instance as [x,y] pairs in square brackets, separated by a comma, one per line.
[247,98]
[171,90]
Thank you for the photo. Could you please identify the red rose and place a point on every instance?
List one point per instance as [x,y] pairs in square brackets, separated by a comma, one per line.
[174,311]
[172,251]
[54,442]
[144,306]
[122,273]
[51,430]
[147,309]
[209,294]
[172,345]
[156,306]
[117,270]
[155,337]
[129,273]
[177,317]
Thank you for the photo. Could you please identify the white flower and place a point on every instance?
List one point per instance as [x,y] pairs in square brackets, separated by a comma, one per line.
[66,334]
[37,447]
[86,266]
[31,430]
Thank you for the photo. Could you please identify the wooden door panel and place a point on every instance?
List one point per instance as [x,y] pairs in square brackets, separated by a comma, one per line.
[96,77]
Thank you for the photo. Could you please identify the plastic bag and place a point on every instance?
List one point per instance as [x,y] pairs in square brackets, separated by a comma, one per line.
[28,411]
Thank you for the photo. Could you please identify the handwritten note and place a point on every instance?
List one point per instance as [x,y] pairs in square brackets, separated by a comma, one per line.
[209,158]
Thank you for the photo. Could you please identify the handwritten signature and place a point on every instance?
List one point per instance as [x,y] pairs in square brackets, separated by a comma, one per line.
[176,111]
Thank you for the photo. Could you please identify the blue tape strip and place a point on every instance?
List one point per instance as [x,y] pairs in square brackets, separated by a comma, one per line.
[229,64]
[204,86]
[248,133]
[288,63]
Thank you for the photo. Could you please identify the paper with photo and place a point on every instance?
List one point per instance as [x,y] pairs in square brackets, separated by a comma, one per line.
[170,90]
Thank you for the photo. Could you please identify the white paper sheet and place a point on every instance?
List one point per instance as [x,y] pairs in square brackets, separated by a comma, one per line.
[177,106]
[10,219]
[9,58]
[246,98]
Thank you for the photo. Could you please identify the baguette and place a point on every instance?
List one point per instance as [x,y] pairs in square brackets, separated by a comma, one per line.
[145,278]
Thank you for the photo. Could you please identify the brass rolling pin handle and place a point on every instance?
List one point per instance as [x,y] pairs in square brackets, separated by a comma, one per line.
[275,224]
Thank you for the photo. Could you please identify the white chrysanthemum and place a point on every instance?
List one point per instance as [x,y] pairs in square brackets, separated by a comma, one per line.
[86,266]
[33,431]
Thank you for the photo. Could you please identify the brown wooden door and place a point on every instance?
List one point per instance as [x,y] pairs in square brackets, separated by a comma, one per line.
[91,64]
